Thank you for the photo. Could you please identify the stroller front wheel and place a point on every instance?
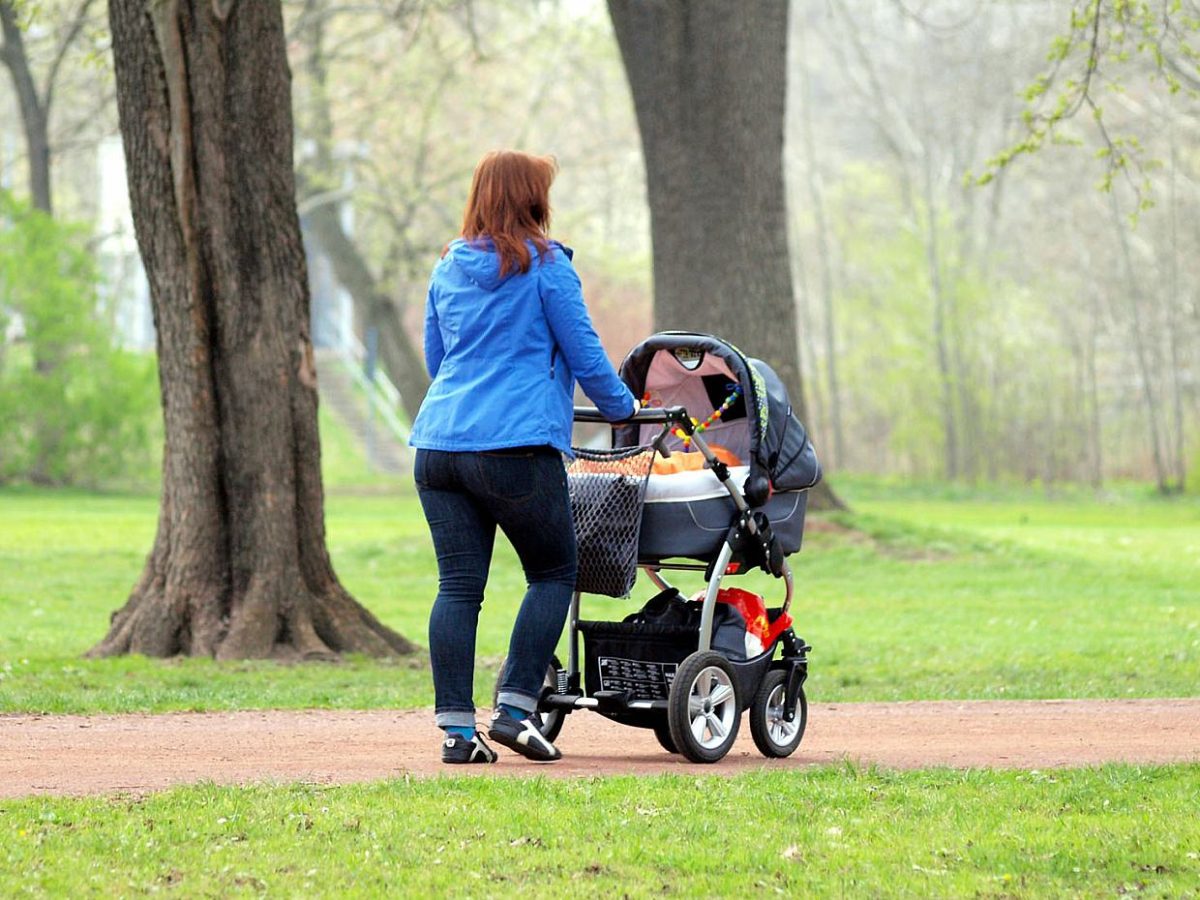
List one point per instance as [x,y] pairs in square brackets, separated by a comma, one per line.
[773,734]
[703,709]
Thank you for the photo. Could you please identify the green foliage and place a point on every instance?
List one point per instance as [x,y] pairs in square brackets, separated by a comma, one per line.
[1008,377]
[73,407]
[1193,473]
[831,831]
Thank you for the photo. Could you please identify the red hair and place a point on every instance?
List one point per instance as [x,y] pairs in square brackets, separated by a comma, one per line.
[510,204]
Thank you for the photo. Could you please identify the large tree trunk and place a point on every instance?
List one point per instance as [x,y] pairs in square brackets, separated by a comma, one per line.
[239,566]
[709,84]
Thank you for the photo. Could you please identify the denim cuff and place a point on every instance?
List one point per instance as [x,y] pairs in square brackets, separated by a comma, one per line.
[455,718]
[521,701]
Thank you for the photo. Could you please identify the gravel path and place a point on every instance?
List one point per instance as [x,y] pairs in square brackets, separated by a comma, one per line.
[140,753]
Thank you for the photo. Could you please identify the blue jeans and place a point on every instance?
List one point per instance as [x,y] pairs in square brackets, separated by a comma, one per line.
[465,496]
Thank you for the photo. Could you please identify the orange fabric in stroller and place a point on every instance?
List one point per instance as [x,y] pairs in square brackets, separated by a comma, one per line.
[680,461]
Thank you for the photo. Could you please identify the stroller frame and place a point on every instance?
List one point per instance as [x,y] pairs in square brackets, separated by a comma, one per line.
[777,704]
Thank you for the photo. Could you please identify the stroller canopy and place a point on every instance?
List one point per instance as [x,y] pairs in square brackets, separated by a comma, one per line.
[705,374]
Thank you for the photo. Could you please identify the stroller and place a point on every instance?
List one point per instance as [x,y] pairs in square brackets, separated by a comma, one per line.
[734,500]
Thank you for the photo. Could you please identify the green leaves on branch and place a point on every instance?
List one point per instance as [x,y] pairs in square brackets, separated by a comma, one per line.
[1107,43]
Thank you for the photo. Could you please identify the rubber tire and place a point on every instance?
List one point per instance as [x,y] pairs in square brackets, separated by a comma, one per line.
[552,722]
[663,733]
[677,707]
[759,730]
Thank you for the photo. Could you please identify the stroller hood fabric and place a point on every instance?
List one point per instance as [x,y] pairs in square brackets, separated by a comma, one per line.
[778,443]
[792,462]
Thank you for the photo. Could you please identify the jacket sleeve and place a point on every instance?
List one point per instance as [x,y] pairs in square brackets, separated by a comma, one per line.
[571,327]
[434,349]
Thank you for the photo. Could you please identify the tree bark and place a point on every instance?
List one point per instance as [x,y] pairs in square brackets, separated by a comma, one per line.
[239,566]
[709,85]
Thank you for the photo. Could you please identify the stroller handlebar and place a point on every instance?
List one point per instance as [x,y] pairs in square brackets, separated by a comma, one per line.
[650,416]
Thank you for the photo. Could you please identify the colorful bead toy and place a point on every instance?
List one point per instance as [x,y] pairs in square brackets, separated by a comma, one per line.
[703,426]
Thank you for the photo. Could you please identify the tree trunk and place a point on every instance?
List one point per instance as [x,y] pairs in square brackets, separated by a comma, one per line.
[709,85]
[239,566]
[35,117]
[402,362]
[1134,289]
[35,121]
[822,233]
[400,359]
[941,340]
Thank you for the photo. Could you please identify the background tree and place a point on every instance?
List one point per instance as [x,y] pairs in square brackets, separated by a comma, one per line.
[710,91]
[468,75]
[35,100]
[239,566]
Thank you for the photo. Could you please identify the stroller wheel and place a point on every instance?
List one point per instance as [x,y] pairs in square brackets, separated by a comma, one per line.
[773,734]
[551,722]
[703,710]
[663,733]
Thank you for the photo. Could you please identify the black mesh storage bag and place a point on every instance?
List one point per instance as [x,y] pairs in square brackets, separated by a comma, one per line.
[607,490]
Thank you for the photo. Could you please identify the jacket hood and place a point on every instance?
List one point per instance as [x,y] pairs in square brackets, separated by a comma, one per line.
[479,261]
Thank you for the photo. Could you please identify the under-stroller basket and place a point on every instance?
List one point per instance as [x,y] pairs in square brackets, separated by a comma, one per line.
[607,490]
[634,657]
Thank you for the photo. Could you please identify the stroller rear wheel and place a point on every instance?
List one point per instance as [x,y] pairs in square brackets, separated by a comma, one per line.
[663,733]
[773,734]
[703,710]
[552,720]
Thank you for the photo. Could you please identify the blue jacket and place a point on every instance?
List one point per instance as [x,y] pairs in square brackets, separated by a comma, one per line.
[504,353]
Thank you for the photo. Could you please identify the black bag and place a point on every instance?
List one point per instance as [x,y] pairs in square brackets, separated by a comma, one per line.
[669,608]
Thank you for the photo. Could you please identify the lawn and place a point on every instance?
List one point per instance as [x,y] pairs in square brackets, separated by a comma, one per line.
[828,832]
[909,597]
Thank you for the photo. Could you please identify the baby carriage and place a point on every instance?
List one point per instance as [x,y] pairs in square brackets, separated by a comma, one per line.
[722,495]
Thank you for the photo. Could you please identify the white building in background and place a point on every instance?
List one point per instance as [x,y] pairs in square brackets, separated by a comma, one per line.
[125,293]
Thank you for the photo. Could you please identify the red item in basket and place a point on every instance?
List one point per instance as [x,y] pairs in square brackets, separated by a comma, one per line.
[760,633]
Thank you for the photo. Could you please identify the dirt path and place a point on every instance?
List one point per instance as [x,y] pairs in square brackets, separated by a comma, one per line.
[102,754]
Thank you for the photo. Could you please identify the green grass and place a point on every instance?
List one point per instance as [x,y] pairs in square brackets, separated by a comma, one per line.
[911,598]
[831,831]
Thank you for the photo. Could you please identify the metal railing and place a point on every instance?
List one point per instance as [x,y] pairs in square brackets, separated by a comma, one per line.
[382,396]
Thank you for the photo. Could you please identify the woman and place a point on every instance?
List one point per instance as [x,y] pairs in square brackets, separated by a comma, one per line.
[506,336]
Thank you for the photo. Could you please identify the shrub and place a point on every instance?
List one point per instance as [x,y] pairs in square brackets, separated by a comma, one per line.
[74,408]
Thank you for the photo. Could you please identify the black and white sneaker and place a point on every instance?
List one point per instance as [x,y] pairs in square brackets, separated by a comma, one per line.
[457,749]
[522,736]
